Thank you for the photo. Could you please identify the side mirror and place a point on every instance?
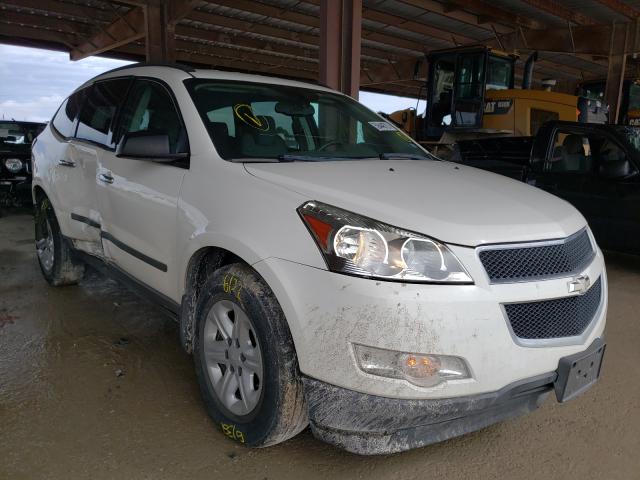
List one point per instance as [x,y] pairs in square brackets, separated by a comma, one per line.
[152,146]
[616,169]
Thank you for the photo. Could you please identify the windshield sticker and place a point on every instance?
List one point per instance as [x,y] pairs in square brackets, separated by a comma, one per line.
[244,112]
[383,126]
[4,132]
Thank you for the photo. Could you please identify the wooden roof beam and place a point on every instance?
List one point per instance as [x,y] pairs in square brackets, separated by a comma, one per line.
[458,15]
[621,7]
[311,39]
[556,9]
[53,8]
[488,12]
[19,33]
[125,29]
[76,29]
[312,21]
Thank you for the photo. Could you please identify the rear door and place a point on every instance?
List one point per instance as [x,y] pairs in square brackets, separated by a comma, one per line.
[73,174]
[138,198]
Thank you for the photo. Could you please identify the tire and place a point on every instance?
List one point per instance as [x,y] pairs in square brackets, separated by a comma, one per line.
[270,408]
[56,259]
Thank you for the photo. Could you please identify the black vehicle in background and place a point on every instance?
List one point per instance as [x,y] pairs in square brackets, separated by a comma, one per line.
[15,161]
[594,167]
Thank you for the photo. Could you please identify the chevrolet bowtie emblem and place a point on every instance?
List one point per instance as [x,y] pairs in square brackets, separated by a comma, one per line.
[579,284]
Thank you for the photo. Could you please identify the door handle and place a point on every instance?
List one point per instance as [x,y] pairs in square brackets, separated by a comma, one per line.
[106,178]
[66,163]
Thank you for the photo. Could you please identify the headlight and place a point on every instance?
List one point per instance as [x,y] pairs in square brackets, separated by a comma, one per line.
[14,165]
[357,245]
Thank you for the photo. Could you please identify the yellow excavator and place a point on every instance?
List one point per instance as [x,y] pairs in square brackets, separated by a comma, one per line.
[471,94]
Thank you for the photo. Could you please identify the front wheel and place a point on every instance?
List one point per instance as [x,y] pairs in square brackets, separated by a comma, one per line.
[57,263]
[245,360]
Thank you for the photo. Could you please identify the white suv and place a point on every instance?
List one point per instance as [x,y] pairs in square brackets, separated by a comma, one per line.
[324,268]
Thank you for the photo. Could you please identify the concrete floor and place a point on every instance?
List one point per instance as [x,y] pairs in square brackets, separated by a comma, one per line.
[93,384]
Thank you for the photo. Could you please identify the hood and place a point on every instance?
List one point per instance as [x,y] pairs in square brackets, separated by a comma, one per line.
[449,202]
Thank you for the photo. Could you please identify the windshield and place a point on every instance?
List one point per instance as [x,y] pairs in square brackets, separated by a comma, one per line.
[593,91]
[14,133]
[634,97]
[499,73]
[281,123]
[632,134]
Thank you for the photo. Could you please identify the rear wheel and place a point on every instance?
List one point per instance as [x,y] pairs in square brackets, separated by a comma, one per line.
[57,263]
[245,360]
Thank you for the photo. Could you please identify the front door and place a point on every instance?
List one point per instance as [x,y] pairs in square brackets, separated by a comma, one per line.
[577,171]
[139,198]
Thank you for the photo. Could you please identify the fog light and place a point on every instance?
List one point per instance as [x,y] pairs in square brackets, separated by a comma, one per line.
[423,370]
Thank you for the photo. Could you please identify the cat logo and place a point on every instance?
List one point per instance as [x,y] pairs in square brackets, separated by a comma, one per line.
[497,107]
[245,113]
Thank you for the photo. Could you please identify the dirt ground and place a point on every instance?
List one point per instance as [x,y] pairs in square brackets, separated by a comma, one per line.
[93,384]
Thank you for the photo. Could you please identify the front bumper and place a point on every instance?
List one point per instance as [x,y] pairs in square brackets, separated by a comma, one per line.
[15,191]
[327,313]
[369,425]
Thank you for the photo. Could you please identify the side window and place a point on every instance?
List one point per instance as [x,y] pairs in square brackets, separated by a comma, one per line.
[98,111]
[610,158]
[223,115]
[571,154]
[149,108]
[64,121]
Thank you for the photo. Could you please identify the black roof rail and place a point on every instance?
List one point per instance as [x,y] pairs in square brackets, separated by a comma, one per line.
[184,68]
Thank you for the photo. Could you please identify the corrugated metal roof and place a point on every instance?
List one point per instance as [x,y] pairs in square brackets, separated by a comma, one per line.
[264,35]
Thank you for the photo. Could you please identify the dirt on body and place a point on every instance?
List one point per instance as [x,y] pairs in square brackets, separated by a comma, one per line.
[94,385]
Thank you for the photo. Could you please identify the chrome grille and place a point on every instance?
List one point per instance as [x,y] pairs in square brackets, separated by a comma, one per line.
[558,318]
[533,262]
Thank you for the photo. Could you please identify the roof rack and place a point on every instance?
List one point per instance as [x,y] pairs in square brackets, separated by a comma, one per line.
[184,68]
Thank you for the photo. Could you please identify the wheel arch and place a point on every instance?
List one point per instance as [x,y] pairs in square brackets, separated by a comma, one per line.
[200,266]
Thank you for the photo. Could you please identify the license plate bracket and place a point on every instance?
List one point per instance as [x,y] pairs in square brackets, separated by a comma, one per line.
[577,373]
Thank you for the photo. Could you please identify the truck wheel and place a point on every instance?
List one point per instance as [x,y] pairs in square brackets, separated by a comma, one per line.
[245,360]
[56,260]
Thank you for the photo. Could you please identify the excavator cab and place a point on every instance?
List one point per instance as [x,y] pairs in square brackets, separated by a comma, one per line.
[629,102]
[458,81]
[471,94]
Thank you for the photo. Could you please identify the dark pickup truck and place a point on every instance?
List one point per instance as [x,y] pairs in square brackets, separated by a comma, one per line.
[15,161]
[594,167]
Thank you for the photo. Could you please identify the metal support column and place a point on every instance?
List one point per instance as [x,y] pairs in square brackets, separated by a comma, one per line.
[340,38]
[616,70]
[160,44]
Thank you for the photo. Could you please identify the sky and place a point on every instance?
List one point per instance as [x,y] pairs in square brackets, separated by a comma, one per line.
[34,82]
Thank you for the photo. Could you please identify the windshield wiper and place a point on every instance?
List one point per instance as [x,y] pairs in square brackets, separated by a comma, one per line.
[402,156]
[287,157]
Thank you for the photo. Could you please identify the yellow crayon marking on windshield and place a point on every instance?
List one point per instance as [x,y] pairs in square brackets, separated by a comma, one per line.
[245,113]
